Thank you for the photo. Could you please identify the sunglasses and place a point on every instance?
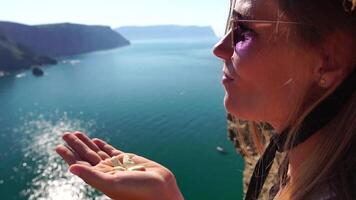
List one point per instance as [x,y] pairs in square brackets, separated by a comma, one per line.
[237,27]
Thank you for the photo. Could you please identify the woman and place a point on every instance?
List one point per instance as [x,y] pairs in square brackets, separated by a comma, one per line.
[288,63]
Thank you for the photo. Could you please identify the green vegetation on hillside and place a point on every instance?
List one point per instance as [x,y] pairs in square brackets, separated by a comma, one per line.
[14,56]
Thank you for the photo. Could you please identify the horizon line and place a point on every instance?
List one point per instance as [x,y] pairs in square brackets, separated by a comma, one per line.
[114,27]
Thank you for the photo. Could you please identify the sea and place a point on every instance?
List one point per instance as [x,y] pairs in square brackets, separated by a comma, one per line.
[161,99]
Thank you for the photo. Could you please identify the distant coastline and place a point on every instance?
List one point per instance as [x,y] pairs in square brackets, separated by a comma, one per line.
[165,32]
[23,46]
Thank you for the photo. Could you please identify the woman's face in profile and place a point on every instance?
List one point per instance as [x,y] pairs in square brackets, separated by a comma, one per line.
[268,68]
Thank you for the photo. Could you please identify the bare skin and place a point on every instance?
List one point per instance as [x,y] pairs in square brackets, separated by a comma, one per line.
[89,160]
[269,76]
[271,69]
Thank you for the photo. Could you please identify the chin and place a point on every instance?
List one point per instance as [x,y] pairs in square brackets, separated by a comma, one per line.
[230,106]
[227,104]
[233,107]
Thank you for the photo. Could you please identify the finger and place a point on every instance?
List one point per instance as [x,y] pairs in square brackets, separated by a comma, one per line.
[86,140]
[111,151]
[92,177]
[69,156]
[103,155]
[66,154]
[81,149]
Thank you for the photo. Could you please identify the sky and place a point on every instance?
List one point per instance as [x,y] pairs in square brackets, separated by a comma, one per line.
[116,13]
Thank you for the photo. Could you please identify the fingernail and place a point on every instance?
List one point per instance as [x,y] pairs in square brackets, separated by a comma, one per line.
[66,134]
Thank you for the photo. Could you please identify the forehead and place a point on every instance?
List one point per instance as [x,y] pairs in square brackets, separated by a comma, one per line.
[257,9]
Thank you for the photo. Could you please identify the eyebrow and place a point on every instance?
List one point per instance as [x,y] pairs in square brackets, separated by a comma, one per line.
[241,16]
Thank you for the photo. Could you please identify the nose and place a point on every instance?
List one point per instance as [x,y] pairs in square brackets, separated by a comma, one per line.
[223,49]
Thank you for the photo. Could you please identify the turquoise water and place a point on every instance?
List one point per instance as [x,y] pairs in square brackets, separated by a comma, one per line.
[159,99]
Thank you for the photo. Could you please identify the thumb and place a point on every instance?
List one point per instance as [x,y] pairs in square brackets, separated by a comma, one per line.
[94,178]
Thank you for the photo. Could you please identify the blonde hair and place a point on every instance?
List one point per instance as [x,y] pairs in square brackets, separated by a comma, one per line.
[332,159]
[329,167]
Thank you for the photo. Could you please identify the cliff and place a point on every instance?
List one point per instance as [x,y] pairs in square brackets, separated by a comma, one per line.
[241,133]
[63,39]
[15,56]
[165,32]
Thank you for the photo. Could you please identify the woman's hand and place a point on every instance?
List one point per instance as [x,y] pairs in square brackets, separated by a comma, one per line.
[96,162]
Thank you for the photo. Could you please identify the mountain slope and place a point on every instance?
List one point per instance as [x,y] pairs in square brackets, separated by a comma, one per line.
[63,39]
[14,56]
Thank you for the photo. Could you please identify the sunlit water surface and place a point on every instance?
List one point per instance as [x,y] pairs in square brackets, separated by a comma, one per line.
[159,99]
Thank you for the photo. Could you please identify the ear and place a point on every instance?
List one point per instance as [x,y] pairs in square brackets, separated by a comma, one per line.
[329,74]
[334,61]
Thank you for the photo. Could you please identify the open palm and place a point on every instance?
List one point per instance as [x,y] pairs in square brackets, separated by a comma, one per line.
[117,174]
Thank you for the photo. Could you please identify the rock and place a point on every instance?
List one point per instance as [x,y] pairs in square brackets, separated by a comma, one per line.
[37,71]
[241,134]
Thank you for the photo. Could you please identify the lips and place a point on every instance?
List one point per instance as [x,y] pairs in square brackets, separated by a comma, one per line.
[228,76]
[228,71]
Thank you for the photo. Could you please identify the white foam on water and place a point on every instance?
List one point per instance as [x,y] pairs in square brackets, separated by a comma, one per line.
[21,75]
[71,62]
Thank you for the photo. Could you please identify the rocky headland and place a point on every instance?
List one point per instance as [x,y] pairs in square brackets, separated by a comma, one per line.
[243,134]
[23,46]
[14,56]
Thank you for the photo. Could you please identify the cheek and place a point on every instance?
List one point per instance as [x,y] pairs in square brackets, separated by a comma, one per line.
[261,64]
[259,90]
[249,61]
[241,100]
[244,47]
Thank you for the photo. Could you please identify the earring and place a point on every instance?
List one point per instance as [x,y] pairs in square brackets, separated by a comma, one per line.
[322,82]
